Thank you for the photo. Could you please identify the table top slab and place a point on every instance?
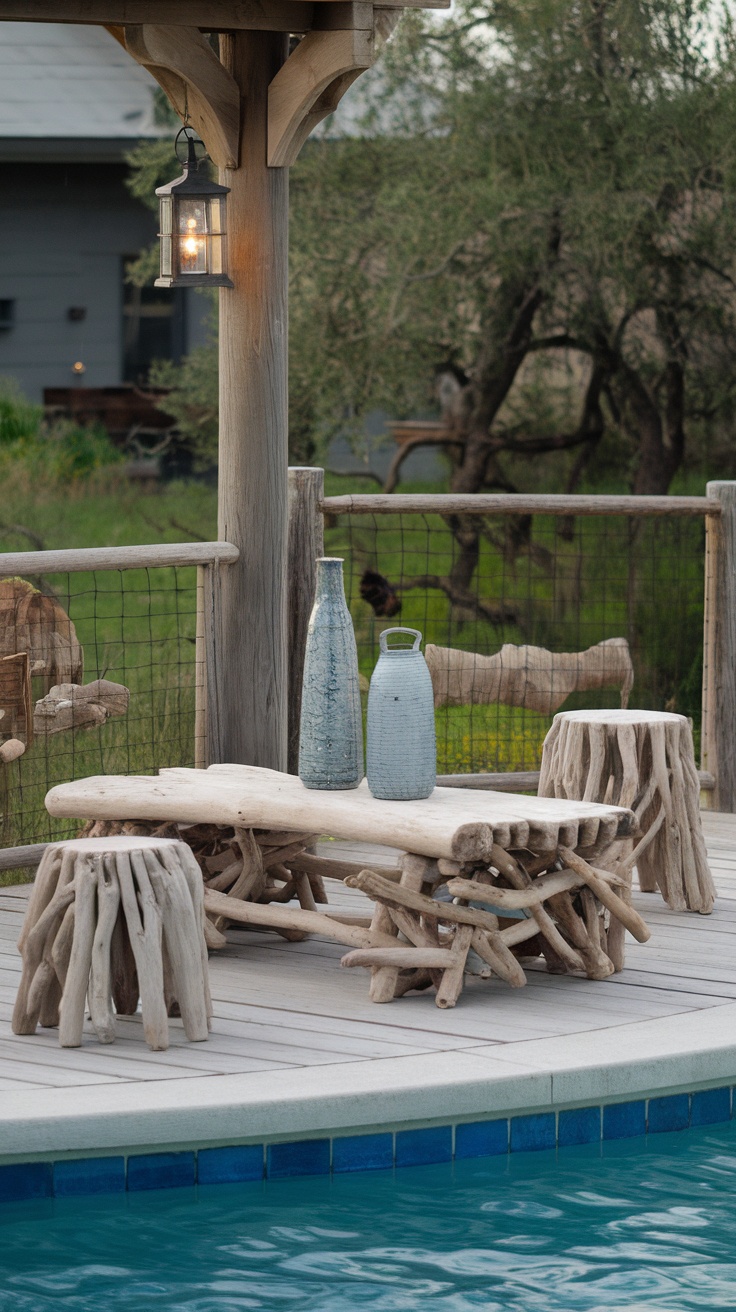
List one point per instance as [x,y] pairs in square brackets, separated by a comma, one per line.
[452,822]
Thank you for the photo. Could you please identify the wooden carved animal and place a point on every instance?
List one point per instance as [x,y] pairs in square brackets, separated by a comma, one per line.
[528,676]
[33,623]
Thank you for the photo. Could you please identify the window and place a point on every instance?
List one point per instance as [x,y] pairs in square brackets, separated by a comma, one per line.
[7,314]
[154,327]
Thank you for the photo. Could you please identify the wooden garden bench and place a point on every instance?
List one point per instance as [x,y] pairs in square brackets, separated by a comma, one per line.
[554,861]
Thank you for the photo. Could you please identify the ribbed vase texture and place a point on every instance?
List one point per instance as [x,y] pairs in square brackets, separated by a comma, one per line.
[331,728]
[402,751]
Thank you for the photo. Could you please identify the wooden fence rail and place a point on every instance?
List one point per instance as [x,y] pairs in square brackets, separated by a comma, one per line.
[518,503]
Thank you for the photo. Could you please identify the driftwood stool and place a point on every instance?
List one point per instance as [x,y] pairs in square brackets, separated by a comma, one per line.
[643,760]
[112,920]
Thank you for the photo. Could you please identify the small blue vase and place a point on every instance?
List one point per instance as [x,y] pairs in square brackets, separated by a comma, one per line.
[402,752]
[331,727]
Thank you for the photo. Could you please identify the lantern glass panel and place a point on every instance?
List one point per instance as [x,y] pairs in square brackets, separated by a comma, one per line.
[192,226]
[217,212]
[216,254]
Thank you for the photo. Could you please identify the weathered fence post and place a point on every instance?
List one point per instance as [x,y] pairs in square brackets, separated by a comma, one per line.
[718,734]
[306,543]
[200,678]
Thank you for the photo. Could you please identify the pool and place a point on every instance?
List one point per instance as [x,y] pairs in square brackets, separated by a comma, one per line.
[638,1224]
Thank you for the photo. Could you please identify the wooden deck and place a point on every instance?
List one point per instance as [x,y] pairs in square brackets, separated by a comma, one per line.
[282,1005]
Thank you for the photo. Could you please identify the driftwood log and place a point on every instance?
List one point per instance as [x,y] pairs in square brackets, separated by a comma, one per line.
[79,706]
[643,760]
[528,676]
[111,921]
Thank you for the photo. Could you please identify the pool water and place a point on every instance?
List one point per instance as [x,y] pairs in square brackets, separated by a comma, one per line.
[641,1224]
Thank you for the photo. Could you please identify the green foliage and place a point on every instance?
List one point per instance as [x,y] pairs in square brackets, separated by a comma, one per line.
[544,193]
[193,400]
[19,420]
[61,452]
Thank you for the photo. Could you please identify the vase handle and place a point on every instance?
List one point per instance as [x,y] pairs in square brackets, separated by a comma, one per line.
[387,633]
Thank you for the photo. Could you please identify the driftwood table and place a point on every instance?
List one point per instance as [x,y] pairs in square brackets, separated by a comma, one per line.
[111,920]
[528,876]
[643,760]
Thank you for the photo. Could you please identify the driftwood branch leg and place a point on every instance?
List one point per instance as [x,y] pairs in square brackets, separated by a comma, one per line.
[101,1010]
[145,930]
[71,1011]
[384,979]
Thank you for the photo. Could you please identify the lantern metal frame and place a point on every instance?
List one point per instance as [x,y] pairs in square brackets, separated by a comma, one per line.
[206,230]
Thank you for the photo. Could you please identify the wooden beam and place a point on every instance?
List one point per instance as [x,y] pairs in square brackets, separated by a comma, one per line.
[185,65]
[310,86]
[253,424]
[207,15]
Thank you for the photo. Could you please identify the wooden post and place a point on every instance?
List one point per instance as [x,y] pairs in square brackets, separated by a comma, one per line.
[306,543]
[718,735]
[253,424]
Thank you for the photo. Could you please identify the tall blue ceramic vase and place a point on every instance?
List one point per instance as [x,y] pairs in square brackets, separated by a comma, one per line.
[402,753]
[331,728]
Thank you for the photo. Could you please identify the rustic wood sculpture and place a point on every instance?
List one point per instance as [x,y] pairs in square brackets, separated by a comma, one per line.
[554,860]
[643,760]
[16,720]
[75,706]
[528,676]
[110,920]
[34,623]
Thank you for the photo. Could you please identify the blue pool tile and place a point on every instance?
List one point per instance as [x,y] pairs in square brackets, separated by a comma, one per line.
[579,1125]
[624,1120]
[161,1171]
[669,1113]
[89,1175]
[307,1157]
[531,1133]
[482,1139]
[26,1180]
[710,1106]
[363,1152]
[419,1147]
[228,1165]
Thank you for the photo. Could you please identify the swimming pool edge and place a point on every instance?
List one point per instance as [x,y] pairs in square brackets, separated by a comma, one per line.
[390,1111]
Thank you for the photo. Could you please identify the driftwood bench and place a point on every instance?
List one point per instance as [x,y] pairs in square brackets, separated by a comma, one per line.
[528,876]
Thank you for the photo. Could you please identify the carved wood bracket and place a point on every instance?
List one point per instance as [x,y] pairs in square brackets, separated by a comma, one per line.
[185,65]
[310,86]
[342,44]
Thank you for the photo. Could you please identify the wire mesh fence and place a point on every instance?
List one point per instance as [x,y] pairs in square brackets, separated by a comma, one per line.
[133,627]
[476,582]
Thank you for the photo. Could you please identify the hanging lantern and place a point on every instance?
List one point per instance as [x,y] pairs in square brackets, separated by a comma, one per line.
[193,238]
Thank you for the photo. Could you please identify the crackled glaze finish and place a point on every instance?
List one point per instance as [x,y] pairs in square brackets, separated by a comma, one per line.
[402,757]
[331,731]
